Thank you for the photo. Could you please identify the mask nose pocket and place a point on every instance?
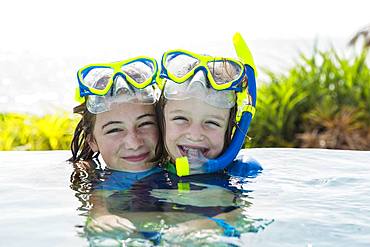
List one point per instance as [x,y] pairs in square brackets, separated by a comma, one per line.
[121,87]
[198,84]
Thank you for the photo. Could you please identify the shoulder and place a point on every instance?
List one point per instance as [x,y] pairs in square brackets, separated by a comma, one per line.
[244,166]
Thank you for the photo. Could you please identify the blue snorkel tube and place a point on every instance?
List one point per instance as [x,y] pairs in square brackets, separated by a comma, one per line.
[220,163]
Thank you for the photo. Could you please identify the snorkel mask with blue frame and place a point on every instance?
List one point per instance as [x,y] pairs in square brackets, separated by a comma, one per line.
[223,83]
[128,81]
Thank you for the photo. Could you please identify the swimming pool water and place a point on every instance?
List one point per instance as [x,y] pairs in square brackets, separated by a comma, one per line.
[316,198]
[303,197]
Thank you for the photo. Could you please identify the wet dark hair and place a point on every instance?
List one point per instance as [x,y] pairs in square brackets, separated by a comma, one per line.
[80,147]
[162,126]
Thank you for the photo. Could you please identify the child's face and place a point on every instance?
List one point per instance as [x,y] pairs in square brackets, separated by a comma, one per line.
[196,125]
[126,136]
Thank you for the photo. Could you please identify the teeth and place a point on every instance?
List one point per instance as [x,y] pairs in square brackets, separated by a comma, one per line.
[193,151]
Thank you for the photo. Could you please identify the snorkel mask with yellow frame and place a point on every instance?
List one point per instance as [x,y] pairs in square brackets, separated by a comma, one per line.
[128,81]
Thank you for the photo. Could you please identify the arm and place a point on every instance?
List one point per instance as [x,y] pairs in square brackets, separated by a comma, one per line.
[220,221]
[210,197]
[100,219]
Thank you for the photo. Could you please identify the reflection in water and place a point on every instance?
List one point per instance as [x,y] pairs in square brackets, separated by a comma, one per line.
[159,208]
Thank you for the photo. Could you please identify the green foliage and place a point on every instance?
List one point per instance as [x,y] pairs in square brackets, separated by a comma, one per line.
[322,101]
[285,102]
[28,132]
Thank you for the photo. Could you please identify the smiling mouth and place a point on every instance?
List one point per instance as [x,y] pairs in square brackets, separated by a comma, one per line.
[136,158]
[184,150]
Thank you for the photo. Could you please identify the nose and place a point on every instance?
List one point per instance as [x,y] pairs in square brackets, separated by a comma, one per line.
[133,141]
[195,133]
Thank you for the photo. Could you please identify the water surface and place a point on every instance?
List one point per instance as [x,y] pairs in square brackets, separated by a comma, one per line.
[311,197]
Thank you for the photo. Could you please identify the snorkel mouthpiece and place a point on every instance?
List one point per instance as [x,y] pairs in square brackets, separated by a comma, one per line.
[192,163]
[196,158]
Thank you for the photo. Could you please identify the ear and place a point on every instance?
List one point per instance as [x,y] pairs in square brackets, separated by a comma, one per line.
[92,143]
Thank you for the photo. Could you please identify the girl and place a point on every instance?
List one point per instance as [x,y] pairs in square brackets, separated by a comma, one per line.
[204,100]
[206,106]
[119,125]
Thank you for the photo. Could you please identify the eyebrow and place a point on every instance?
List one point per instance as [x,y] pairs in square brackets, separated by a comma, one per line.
[120,122]
[145,115]
[111,122]
[176,111]
[217,117]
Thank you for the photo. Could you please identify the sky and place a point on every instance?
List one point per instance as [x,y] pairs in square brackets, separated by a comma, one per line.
[45,42]
[87,26]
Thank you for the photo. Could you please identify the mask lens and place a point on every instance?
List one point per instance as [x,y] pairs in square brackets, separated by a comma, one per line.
[139,71]
[224,71]
[180,64]
[224,99]
[97,104]
[97,78]
[122,94]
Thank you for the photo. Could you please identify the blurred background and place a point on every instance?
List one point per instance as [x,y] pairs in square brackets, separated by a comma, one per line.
[312,59]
